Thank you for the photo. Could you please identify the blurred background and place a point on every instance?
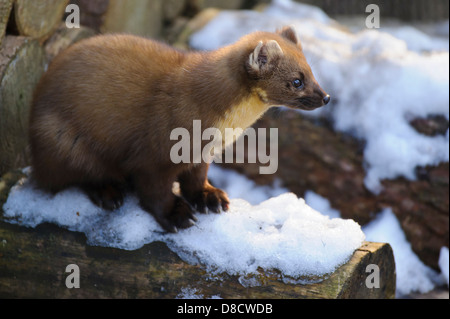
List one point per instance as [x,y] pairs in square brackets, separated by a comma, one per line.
[380,150]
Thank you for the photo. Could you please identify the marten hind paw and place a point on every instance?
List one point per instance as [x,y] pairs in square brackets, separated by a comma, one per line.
[108,197]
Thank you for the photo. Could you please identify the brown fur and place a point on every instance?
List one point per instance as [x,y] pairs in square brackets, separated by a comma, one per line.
[102,114]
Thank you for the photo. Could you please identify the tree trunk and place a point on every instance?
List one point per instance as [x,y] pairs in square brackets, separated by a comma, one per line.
[22,62]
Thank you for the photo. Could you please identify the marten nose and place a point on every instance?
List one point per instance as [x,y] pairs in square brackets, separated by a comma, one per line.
[326,99]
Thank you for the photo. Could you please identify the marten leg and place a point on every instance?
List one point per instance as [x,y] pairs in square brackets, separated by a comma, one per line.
[155,194]
[108,195]
[199,192]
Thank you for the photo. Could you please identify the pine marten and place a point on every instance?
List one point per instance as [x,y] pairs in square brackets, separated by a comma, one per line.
[102,114]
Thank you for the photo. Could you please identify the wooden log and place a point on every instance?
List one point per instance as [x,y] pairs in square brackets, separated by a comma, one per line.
[173,8]
[194,25]
[38,19]
[33,264]
[5,10]
[139,17]
[22,62]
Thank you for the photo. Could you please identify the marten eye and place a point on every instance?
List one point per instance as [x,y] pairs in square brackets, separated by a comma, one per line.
[297,83]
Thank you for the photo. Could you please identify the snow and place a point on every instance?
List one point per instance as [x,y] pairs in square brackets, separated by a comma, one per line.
[189,293]
[193,293]
[321,204]
[378,80]
[412,274]
[417,40]
[443,262]
[281,232]
[239,186]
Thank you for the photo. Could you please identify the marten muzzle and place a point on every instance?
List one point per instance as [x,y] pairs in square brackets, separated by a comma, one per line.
[313,102]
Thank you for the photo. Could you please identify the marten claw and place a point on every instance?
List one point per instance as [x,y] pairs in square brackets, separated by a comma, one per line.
[217,199]
[199,203]
[225,205]
[182,215]
[212,201]
[209,199]
[171,229]
[107,197]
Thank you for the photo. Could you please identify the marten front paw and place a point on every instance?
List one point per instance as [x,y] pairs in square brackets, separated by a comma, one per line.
[181,216]
[212,198]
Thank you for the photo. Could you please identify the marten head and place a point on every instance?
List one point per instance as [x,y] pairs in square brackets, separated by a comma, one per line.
[282,75]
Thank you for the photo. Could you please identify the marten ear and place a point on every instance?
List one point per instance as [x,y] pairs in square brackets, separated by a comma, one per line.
[265,55]
[290,34]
